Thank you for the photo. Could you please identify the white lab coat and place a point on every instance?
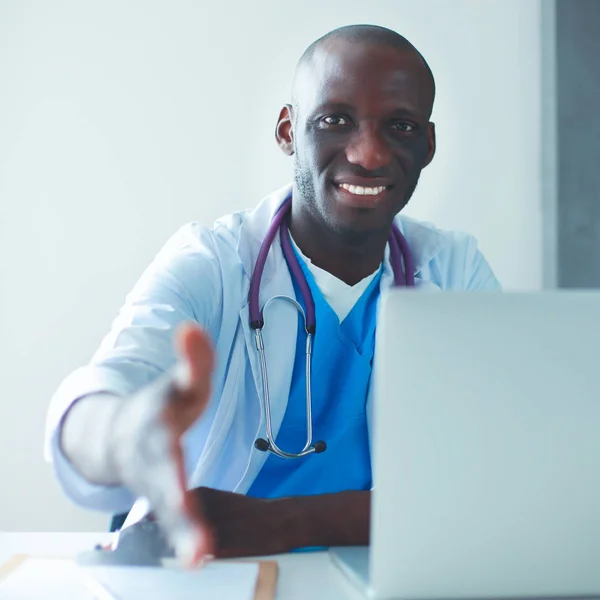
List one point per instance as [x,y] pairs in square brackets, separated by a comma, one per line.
[203,275]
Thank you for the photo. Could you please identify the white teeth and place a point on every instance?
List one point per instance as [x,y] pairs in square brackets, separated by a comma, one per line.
[359,190]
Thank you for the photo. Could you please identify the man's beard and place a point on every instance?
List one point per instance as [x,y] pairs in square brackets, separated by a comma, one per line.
[303,183]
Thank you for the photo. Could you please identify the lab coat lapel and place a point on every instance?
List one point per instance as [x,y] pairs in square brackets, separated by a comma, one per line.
[424,244]
[253,230]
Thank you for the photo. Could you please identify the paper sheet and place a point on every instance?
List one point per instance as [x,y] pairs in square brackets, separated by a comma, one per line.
[53,578]
[40,578]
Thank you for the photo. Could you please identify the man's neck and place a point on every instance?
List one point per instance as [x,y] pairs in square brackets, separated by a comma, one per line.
[350,259]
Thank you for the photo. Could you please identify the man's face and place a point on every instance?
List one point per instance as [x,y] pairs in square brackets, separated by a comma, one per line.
[361,134]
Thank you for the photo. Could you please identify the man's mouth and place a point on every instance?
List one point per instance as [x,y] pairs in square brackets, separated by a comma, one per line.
[360,190]
[361,196]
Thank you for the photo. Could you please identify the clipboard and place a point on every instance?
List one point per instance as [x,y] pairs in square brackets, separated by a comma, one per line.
[266,581]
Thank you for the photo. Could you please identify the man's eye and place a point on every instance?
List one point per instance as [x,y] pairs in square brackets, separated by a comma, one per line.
[403,126]
[335,121]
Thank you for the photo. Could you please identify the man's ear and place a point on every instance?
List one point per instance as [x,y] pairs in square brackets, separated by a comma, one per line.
[284,132]
[430,143]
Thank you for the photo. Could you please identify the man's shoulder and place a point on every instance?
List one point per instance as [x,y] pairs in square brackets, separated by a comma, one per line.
[428,242]
[251,223]
[195,236]
[450,259]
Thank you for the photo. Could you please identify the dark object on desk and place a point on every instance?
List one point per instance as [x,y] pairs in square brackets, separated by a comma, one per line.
[117,522]
[141,545]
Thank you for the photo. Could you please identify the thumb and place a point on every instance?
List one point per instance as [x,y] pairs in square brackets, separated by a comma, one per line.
[198,357]
[192,379]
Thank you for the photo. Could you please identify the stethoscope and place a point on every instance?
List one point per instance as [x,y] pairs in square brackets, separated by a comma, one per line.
[402,267]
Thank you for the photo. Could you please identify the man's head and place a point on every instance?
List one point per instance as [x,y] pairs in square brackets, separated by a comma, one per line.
[361,103]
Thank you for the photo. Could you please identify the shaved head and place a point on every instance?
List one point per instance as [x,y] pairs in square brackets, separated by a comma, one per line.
[366,35]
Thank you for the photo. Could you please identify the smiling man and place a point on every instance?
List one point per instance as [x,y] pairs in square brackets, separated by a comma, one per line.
[221,449]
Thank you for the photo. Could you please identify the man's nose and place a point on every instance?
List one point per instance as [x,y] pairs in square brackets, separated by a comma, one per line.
[368,150]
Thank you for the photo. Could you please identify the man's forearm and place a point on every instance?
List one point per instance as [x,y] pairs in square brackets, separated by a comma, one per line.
[341,519]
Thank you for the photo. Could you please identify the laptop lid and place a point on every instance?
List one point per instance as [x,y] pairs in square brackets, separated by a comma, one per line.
[486,446]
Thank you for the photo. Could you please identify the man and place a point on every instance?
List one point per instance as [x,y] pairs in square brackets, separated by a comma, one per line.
[122,427]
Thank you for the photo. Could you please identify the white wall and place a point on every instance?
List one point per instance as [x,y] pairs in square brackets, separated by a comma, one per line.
[120,121]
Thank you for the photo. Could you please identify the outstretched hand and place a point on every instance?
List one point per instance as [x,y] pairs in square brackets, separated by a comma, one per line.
[147,444]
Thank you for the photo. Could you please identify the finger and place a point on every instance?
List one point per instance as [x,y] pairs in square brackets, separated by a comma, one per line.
[152,466]
[198,544]
[150,461]
[162,481]
[197,353]
[191,380]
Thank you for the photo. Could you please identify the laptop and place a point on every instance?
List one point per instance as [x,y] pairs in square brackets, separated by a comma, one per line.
[486,449]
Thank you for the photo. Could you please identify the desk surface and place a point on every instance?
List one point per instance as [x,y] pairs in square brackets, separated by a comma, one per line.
[301,576]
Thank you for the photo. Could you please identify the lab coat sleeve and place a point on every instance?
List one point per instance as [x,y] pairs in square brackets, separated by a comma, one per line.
[478,273]
[182,284]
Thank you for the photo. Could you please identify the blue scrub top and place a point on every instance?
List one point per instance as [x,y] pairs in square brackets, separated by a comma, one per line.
[341,373]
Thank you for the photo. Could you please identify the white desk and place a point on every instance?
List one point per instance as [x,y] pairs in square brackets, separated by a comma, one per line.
[302,576]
